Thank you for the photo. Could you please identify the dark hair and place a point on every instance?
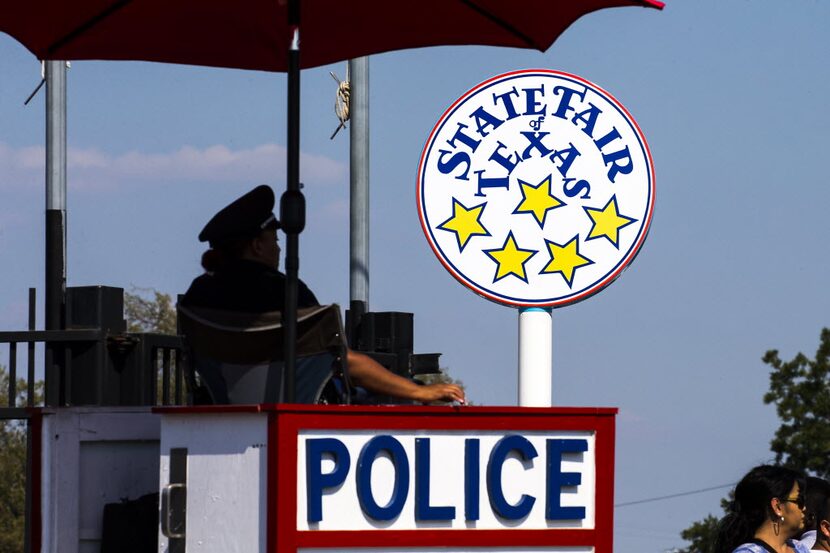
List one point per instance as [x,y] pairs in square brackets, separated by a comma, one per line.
[817,504]
[220,255]
[751,506]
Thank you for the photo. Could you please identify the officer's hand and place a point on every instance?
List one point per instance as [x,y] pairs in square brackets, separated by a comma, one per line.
[440,392]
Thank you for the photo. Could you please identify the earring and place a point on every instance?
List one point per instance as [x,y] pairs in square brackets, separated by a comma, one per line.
[776,526]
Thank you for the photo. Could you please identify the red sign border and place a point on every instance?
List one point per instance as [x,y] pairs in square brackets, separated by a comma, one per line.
[285,422]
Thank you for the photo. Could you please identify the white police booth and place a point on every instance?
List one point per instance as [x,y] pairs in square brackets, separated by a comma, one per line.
[280,478]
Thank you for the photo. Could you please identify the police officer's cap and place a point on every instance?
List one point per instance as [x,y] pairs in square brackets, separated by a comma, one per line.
[243,218]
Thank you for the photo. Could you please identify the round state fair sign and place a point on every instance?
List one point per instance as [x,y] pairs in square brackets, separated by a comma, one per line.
[536,188]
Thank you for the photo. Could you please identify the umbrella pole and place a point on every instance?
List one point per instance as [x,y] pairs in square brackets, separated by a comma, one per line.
[359,184]
[292,205]
[55,282]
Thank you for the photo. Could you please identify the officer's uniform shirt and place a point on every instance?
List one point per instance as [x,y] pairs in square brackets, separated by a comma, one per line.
[247,286]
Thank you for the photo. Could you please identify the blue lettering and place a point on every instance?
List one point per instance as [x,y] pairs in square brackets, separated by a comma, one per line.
[457,159]
[467,140]
[423,510]
[557,479]
[506,162]
[534,140]
[567,157]
[508,102]
[316,481]
[484,119]
[616,168]
[565,103]
[490,182]
[513,446]
[367,457]
[498,456]
[472,448]
[613,134]
[589,117]
[571,191]
[533,107]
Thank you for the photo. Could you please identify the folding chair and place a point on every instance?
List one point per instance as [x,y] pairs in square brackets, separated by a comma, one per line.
[239,356]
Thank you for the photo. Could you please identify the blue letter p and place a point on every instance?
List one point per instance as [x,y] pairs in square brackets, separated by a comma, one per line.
[316,481]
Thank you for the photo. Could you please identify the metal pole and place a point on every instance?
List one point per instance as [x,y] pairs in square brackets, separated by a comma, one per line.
[55,284]
[292,204]
[55,192]
[359,181]
[535,357]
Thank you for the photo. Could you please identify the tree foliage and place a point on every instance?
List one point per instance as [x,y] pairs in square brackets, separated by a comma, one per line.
[800,391]
[702,535]
[12,486]
[441,377]
[13,467]
[148,310]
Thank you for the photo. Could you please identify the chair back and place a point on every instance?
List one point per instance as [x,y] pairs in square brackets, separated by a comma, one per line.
[239,356]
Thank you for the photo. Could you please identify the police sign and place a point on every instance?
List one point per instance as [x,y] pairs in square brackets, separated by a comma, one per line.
[455,479]
[536,188]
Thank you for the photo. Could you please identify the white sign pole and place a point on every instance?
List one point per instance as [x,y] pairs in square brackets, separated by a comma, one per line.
[535,357]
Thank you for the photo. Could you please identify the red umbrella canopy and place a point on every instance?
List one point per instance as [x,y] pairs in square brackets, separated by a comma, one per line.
[254,34]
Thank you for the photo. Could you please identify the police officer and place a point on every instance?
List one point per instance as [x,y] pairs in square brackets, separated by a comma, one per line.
[242,274]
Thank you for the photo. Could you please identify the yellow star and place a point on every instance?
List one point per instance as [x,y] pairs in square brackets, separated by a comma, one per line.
[510,258]
[465,223]
[537,200]
[607,222]
[565,259]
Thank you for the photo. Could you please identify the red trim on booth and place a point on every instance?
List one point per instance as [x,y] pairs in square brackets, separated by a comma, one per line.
[375,410]
[287,495]
[35,522]
[271,499]
[444,538]
[604,521]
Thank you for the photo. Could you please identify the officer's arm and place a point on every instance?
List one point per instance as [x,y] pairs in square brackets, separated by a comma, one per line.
[368,373]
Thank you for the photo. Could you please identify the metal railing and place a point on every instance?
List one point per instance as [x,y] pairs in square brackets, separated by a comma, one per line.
[12,366]
[93,366]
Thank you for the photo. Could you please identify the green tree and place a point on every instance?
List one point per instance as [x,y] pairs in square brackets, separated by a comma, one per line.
[799,390]
[13,467]
[701,534]
[148,310]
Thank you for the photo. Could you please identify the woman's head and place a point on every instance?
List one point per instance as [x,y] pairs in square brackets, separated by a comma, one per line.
[244,229]
[263,248]
[767,494]
[817,512]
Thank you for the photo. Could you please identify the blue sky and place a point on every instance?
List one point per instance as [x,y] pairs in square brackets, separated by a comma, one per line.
[731,97]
